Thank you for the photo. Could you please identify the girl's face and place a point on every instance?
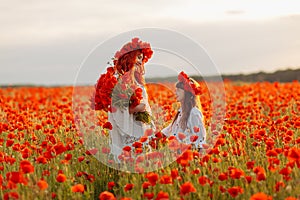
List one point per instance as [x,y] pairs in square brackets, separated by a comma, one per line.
[179,94]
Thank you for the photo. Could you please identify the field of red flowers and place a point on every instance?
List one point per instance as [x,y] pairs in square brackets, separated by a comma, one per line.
[255,156]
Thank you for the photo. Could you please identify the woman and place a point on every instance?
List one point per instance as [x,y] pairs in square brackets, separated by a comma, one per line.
[129,65]
[189,118]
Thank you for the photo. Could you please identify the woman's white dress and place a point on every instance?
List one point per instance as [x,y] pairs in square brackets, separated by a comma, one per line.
[125,129]
[195,126]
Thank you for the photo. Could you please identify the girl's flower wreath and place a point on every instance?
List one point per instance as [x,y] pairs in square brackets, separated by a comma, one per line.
[113,90]
[189,84]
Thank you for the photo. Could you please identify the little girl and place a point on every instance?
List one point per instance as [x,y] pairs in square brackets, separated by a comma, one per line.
[189,118]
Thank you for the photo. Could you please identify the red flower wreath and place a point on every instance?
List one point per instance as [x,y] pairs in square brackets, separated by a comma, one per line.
[189,84]
[135,44]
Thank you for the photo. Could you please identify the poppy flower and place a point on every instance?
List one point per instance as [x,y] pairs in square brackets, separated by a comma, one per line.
[290,198]
[294,154]
[196,129]
[42,184]
[236,173]
[127,148]
[107,196]
[148,195]
[222,189]
[92,151]
[203,180]
[16,177]
[193,138]
[250,164]
[128,187]
[181,136]
[107,125]
[105,150]
[26,167]
[78,188]
[279,185]
[187,188]
[162,196]
[61,178]
[166,179]
[11,195]
[146,185]
[235,191]
[260,196]
[152,178]
[223,177]
[81,158]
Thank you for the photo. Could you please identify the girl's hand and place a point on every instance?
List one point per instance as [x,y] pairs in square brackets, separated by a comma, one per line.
[139,108]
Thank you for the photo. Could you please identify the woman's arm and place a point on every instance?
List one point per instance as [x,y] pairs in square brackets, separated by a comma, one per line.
[139,108]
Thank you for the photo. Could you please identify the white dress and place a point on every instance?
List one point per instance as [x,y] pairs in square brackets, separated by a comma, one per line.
[194,122]
[125,129]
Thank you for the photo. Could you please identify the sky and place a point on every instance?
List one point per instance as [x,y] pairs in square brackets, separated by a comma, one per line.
[48,42]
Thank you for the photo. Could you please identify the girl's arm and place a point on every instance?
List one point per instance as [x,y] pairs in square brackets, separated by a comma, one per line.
[167,130]
[197,128]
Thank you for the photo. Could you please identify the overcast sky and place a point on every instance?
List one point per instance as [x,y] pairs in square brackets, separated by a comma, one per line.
[45,42]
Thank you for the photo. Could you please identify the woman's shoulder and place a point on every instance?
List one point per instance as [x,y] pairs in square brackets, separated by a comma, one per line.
[196,112]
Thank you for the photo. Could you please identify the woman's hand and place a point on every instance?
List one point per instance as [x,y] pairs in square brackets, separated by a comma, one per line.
[139,108]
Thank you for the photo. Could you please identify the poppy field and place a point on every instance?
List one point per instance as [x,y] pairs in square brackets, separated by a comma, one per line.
[255,155]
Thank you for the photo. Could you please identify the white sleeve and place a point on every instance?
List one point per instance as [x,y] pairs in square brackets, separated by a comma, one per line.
[167,130]
[196,127]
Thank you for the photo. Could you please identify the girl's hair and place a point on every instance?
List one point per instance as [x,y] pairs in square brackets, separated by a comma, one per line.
[189,102]
[125,64]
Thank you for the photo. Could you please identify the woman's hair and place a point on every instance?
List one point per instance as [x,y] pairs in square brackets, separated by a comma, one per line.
[189,102]
[125,64]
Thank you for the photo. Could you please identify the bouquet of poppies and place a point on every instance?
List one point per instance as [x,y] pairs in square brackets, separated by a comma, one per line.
[101,98]
[113,92]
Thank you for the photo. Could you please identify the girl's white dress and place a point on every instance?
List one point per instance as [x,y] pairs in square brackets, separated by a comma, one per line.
[125,129]
[194,122]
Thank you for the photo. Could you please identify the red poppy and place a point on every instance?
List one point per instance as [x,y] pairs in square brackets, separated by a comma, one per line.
[107,196]
[166,179]
[16,177]
[146,185]
[203,180]
[107,125]
[294,154]
[193,138]
[223,177]
[250,164]
[236,173]
[260,196]
[61,178]
[128,187]
[11,195]
[78,188]
[127,148]
[105,150]
[26,167]
[42,184]
[181,136]
[152,178]
[162,196]
[148,195]
[234,191]
[196,129]
[93,151]
[187,188]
